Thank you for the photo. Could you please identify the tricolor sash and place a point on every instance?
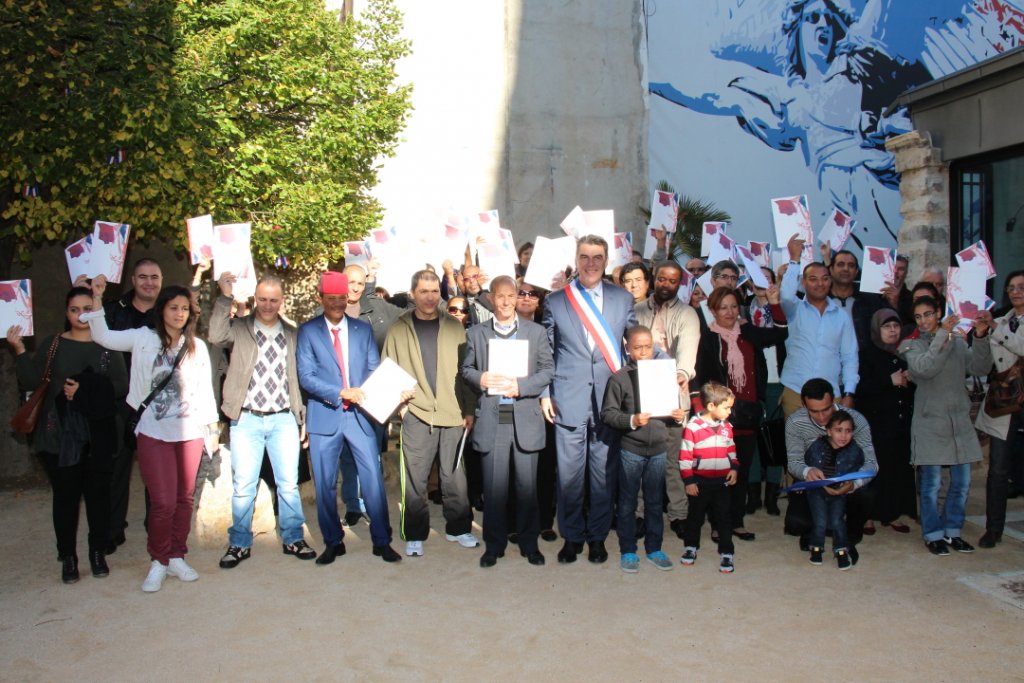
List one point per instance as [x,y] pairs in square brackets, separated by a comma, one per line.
[600,331]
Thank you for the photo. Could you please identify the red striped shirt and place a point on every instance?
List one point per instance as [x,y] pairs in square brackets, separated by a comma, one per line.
[708,450]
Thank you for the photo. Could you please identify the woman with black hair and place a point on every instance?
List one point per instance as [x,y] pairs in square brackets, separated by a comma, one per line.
[170,374]
[75,434]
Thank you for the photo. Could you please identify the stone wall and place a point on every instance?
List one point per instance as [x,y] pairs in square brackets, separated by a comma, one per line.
[924,202]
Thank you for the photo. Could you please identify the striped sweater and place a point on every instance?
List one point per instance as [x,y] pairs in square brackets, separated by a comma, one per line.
[707,451]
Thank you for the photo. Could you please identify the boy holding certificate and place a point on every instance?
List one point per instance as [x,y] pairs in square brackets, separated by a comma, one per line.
[642,455]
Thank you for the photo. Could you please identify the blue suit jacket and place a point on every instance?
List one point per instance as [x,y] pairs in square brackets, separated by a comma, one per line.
[581,374]
[529,424]
[320,377]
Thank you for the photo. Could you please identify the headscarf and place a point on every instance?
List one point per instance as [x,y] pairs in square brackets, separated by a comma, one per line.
[881,317]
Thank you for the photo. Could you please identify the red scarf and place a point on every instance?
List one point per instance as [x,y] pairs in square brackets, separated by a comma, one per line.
[733,355]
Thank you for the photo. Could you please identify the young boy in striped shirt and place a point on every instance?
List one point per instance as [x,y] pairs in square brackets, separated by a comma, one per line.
[708,464]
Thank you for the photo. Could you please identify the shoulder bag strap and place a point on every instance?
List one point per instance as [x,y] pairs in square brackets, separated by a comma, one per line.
[163,383]
[48,369]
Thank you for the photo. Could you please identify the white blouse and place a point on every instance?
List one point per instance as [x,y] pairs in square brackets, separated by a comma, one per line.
[184,408]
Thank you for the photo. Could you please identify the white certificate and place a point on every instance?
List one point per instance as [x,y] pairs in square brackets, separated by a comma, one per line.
[383,389]
[508,357]
[879,269]
[792,215]
[200,237]
[78,254]
[109,246]
[709,233]
[550,259]
[16,306]
[232,250]
[659,391]
[837,230]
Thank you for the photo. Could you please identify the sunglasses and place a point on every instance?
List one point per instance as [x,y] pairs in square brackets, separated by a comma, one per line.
[455,309]
[532,295]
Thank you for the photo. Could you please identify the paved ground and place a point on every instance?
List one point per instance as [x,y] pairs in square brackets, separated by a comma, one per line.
[900,615]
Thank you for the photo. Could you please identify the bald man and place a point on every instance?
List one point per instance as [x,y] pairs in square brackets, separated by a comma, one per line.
[369,308]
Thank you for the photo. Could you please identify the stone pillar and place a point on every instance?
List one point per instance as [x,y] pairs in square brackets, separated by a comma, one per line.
[924,202]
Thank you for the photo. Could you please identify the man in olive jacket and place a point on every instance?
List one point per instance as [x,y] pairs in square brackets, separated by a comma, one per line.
[429,345]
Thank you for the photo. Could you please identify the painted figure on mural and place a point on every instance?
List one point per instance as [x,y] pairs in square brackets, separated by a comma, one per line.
[838,66]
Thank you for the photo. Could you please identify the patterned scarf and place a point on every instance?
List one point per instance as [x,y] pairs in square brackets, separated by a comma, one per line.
[734,357]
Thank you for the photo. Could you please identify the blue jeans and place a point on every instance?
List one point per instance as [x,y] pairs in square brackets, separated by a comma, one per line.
[827,512]
[948,522]
[636,471]
[278,434]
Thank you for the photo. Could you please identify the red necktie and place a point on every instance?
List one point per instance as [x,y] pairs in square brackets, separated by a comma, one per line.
[341,359]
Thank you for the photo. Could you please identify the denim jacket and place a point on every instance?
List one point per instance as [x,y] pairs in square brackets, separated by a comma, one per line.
[850,458]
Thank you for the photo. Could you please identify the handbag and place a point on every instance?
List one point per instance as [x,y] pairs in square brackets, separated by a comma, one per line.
[133,421]
[746,414]
[24,421]
[771,439]
[1005,391]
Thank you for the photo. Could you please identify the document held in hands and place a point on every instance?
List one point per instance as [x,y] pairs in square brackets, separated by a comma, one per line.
[383,390]
[659,391]
[508,357]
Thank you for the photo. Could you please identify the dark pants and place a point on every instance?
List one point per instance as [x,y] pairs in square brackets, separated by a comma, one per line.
[636,472]
[497,464]
[746,446]
[827,512]
[711,496]
[1000,460]
[70,485]
[547,478]
[325,452]
[587,457]
[120,482]
[858,510]
[420,442]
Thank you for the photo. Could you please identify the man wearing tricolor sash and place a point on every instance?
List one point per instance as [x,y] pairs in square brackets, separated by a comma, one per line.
[585,322]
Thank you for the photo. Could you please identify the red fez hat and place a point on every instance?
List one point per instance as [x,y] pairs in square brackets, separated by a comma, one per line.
[333,283]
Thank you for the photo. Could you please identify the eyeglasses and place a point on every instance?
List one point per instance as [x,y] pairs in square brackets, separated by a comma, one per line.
[1015,288]
[525,294]
[455,309]
[723,276]
[924,316]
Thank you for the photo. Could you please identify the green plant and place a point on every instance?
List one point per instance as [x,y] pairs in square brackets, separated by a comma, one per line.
[693,213]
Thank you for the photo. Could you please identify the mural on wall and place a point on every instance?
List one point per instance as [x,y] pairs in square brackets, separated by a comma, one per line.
[814,79]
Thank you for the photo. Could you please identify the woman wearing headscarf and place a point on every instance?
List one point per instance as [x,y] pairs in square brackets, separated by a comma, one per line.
[885,396]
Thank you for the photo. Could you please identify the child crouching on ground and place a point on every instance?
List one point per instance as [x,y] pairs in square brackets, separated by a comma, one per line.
[708,464]
[835,453]
[642,456]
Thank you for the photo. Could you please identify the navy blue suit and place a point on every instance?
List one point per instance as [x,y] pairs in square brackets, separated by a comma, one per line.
[587,448]
[331,426]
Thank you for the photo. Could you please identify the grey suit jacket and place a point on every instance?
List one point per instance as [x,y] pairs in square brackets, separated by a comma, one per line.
[581,373]
[526,415]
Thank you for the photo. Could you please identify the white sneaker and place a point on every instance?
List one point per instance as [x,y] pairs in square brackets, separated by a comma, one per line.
[466,540]
[155,578]
[413,548]
[178,567]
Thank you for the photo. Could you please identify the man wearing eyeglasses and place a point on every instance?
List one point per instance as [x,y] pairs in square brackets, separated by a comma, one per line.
[586,322]
[478,300]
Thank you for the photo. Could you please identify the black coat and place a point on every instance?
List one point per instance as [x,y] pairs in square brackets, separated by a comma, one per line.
[886,407]
[709,366]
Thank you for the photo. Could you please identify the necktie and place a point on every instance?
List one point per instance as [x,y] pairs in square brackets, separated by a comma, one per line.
[1014,324]
[340,355]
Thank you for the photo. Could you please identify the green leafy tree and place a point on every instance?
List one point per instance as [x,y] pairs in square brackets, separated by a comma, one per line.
[269,111]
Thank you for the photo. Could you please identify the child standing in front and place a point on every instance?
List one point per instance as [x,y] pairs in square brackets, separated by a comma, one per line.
[641,458]
[708,464]
[834,454]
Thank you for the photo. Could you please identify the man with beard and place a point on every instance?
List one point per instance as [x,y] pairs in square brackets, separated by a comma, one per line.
[675,329]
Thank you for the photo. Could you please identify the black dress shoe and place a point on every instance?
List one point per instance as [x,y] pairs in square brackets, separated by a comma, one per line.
[744,535]
[549,535]
[330,553]
[69,569]
[386,553]
[535,558]
[98,564]
[488,559]
[678,527]
[597,553]
[352,518]
[513,538]
[989,539]
[567,554]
